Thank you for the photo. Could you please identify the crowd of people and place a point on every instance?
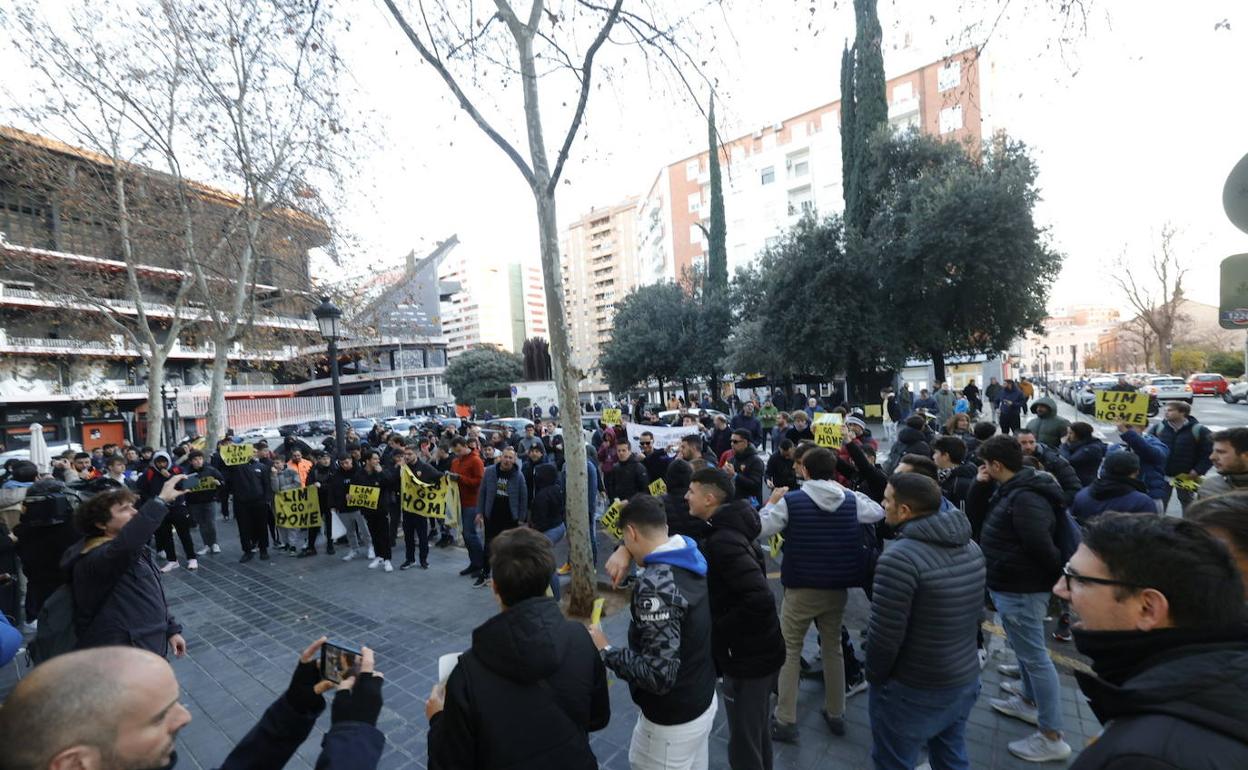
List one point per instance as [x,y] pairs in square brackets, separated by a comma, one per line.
[962,517]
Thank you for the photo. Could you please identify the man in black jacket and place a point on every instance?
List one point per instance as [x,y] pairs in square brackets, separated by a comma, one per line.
[203,500]
[531,688]
[745,629]
[654,458]
[1162,619]
[922,661]
[779,469]
[251,485]
[746,468]
[954,474]
[119,707]
[1019,509]
[1051,461]
[1190,445]
[667,663]
[629,476]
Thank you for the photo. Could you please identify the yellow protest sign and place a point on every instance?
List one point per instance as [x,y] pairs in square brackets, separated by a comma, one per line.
[297,508]
[874,410]
[658,487]
[428,500]
[361,496]
[611,520]
[206,483]
[829,430]
[1121,406]
[775,543]
[236,454]
[612,417]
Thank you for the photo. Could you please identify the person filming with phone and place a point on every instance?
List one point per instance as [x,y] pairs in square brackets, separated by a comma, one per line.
[120,708]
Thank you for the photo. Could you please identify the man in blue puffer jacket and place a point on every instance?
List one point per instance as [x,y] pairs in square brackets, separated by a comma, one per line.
[1153,454]
[1117,489]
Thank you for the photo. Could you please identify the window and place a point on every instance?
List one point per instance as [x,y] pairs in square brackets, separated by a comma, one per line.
[768,175]
[951,119]
[691,168]
[903,92]
[800,168]
[949,76]
[695,202]
[695,234]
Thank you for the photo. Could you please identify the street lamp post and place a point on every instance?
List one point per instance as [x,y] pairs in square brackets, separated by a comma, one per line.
[328,316]
[1045,351]
[167,394]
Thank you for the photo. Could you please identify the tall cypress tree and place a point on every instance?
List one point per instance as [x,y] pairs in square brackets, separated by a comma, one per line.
[849,155]
[864,109]
[717,236]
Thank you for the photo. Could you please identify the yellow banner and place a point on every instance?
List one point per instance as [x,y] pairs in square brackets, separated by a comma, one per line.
[237,454]
[775,543]
[297,508]
[611,520]
[361,496]
[1121,406]
[829,430]
[428,500]
[874,410]
[612,417]
[658,487]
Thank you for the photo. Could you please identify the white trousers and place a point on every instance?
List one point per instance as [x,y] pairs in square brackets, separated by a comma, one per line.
[672,747]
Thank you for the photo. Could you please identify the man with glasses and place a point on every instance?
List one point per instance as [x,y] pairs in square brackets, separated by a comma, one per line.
[1162,618]
[654,458]
[746,468]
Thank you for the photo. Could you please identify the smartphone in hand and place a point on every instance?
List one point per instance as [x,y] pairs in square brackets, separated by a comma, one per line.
[339,662]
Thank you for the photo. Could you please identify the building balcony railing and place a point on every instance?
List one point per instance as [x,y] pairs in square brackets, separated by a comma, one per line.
[118,346]
[154,307]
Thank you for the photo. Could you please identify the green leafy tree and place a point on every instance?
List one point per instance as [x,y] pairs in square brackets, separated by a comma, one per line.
[650,335]
[1227,364]
[482,371]
[969,270]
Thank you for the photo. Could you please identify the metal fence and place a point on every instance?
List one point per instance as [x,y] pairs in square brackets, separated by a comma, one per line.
[247,413]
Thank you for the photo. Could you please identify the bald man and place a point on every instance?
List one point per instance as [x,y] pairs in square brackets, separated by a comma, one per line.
[119,708]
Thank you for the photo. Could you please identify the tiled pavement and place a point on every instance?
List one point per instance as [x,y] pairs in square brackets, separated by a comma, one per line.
[245,624]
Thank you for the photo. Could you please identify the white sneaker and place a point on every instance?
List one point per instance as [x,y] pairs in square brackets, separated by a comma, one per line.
[170,566]
[350,555]
[375,563]
[371,553]
[1016,707]
[216,548]
[1038,748]
[388,566]
[1012,686]
[192,564]
[204,551]
[1009,669]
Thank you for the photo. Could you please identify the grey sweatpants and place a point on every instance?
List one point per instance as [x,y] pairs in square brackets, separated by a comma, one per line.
[205,516]
[355,523]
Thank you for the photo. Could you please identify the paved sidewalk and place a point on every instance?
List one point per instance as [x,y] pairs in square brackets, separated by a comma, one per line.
[245,624]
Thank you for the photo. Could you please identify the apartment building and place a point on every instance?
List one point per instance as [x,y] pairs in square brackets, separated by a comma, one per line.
[1071,338]
[528,304]
[599,266]
[495,303]
[781,171]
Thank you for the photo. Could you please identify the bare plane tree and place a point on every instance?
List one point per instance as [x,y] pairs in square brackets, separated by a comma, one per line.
[543,41]
[1156,295]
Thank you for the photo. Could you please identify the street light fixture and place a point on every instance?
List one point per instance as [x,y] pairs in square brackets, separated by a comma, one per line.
[327,317]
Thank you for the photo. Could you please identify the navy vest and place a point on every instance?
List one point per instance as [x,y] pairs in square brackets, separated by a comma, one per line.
[822,549]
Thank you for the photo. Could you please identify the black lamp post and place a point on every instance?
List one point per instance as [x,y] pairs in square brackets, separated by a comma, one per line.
[167,394]
[328,316]
[1045,350]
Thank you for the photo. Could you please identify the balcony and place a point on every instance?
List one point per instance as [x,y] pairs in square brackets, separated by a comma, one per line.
[119,346]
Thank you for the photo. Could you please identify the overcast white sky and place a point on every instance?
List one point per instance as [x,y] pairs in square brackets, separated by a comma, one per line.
[1134,122]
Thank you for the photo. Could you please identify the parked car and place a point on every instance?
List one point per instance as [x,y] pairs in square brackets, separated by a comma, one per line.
[24,453]
[1168,388]
[1237,392]
[517,424]
[1086,398]
[1208,384]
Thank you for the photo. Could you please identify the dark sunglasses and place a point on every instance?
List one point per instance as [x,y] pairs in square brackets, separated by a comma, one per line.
[645,443]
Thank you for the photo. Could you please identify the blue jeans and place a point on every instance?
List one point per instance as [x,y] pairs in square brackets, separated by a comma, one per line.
[905,719]
[1022,617]
[554,536]
[472,538]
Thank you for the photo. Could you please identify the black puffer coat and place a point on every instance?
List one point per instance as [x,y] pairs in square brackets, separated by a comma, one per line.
[1019,523]
[745,629]
[909,441]
[926,603]
[525,695]
[1060,469]
[1186,710]
[1085,457]
[1190,446]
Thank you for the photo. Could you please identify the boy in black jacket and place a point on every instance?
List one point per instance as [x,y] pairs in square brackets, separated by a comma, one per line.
[745,628]
[530,689]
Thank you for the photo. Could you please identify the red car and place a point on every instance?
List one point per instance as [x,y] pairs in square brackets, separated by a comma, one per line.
[1208,384]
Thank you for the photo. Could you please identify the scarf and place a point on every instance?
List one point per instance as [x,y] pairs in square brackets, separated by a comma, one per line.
[1118,655]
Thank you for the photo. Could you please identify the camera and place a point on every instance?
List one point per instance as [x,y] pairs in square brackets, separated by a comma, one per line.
[339,662]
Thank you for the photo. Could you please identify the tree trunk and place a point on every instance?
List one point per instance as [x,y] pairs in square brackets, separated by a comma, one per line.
[938,367]
[155,402]
[216,398]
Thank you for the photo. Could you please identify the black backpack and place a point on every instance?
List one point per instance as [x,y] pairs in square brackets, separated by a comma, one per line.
[56,634]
